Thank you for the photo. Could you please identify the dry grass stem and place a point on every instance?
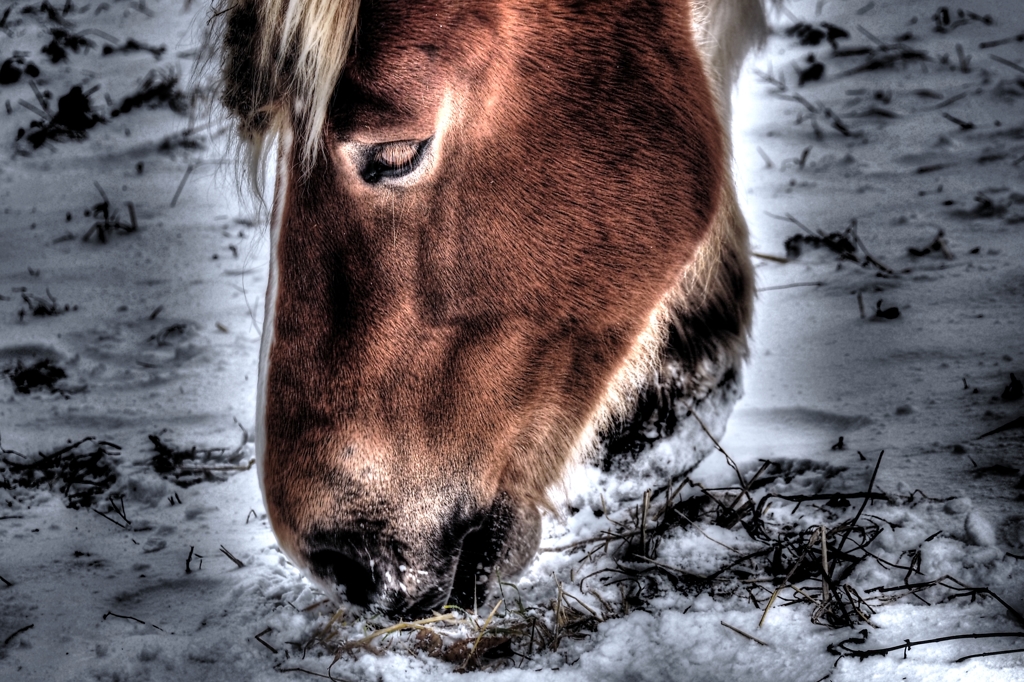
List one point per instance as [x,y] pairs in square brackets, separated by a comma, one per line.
[743,634]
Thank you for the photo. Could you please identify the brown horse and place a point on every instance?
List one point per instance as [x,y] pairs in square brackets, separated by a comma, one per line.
[504,237]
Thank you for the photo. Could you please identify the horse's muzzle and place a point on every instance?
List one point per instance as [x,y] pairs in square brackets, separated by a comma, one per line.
[461,566]
[372,573]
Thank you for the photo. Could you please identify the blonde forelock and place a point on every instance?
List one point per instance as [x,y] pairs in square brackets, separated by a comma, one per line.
[280,62]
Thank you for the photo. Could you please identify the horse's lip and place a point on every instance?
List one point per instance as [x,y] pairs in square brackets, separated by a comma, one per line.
[423,606]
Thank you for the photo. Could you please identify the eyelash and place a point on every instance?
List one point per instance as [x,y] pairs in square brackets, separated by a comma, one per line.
[392,159]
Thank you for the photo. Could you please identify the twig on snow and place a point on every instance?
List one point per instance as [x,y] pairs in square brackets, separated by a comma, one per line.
[257,638]
[229,555]
[18,632]
[790,286]
[1007,62]
[908,644]
[743,634]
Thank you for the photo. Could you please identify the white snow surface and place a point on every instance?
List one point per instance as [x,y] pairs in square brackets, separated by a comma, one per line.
[162,337]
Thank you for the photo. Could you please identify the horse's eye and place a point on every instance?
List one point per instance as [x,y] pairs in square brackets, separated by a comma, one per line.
[392,159]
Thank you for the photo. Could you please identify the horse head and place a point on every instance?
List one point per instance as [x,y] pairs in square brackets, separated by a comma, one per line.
[493,221]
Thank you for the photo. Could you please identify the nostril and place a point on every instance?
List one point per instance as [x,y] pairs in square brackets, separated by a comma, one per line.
[343,570]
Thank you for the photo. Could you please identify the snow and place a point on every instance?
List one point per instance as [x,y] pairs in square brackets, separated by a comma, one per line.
[162,336]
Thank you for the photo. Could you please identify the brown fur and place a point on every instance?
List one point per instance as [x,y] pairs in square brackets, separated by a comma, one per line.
[439,348]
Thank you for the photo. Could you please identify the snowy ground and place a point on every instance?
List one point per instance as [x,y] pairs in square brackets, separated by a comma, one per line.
[156,331]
